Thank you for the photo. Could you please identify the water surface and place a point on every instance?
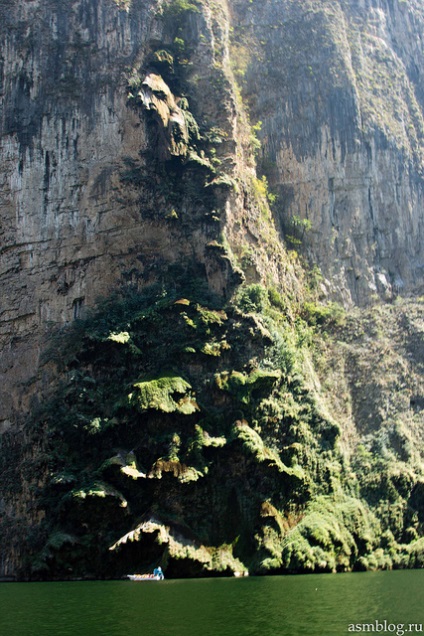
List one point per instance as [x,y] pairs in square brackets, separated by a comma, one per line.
[313,605]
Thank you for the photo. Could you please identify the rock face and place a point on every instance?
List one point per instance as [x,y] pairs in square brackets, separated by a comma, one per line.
[81,201]
[119,136]
[338,87]
[204,390]
[65,236]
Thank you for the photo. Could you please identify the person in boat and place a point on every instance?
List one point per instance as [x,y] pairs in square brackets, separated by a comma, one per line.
[158,572]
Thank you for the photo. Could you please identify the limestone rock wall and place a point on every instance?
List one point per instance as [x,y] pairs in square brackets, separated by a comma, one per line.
[83,207]
[65,128]
[338,87]
[127,159]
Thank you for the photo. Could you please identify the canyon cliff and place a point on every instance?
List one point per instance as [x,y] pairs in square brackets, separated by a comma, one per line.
[339,89]
[211,261]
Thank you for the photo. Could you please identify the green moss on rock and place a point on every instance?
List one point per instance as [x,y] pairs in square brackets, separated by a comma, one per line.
[166,393]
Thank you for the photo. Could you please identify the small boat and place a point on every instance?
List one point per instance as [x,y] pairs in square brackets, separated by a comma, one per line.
[156,576]
[144,577]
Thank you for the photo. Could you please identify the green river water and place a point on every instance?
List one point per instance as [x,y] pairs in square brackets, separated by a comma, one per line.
[315,605]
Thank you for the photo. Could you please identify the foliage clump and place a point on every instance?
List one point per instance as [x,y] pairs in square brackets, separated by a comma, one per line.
[167,393]
[176,8]
[169,389]
[208,427]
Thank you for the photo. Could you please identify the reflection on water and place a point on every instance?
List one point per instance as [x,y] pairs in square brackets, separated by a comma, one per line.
[318,605]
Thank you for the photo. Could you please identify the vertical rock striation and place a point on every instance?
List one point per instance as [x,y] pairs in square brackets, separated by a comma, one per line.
[339,88]
[65,235]
[83,203]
